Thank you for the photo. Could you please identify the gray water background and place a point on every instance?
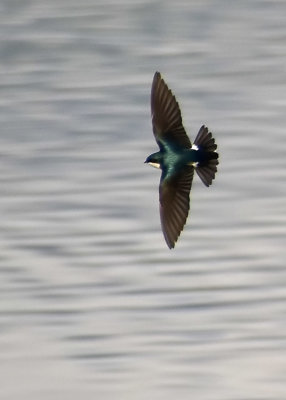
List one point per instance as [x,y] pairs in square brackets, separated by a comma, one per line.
[93,305]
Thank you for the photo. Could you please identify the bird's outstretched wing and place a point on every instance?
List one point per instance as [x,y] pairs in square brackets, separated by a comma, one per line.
[166,115]
[175,203]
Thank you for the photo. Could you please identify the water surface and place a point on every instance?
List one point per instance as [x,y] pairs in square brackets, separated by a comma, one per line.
[93,303]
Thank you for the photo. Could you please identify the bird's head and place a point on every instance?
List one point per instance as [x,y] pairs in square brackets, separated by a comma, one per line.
[153,160]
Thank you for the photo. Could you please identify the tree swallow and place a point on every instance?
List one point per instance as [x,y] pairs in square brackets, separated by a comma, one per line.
[177,159]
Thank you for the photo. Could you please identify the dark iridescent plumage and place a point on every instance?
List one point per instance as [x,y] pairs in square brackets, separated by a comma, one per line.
[177,159]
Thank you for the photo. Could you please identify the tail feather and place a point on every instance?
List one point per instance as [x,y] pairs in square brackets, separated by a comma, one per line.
[207,168]
[205,140]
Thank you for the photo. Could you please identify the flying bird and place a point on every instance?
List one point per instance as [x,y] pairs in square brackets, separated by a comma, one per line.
[177,159]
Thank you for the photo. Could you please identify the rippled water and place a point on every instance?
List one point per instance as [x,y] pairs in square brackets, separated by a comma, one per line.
[93,303]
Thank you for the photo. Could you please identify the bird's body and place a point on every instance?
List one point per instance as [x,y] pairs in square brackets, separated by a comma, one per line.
[177,159]
[172,159]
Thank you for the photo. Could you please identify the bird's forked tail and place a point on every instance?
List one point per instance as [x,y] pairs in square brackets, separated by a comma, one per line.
[206,168]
